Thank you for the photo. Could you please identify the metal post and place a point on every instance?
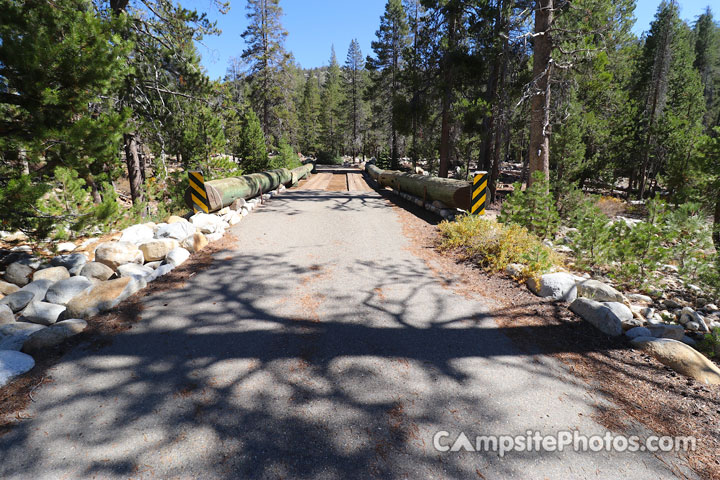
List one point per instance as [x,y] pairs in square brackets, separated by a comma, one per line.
[479,193]
[199,193]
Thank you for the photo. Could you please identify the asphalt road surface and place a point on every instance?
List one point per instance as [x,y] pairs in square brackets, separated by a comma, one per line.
[320,348]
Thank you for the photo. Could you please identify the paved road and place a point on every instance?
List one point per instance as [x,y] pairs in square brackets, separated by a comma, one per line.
[320,348]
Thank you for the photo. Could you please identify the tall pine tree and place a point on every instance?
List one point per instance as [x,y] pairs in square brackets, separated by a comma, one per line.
[707,63]
[331,113]
[310,117]
[268,63]
[392,38]
[354,86]
[252,152]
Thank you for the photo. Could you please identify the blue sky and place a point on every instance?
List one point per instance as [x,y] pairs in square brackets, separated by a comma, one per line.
[314,25]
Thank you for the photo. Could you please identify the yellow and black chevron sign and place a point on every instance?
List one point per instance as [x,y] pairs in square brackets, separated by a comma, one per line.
[199,194]
[479,193]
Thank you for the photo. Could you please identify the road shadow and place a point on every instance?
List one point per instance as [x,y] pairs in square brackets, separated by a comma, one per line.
[263,367]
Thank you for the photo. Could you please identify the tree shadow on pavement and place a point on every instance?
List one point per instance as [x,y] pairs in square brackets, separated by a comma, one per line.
[261,368]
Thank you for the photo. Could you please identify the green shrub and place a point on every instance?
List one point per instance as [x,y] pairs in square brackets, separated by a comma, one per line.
[327,158]
[569,198]
[220,166]
[493,246]
[638,251]
[19,200]
[533,208]
[383,161]
[710,344]
[285,158]
[72,209]
[689,236]
[592,242]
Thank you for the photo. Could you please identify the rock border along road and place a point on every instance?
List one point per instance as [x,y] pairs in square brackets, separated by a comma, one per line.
[320,348]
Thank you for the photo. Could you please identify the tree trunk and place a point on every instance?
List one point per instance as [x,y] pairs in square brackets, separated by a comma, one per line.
[540,104]
[24,164]
[134,170]
[445,137]
[498,141]
[447,99]
[716,224]
[394,160]
[492,99]
[93,188]
[500,102]
[525,160]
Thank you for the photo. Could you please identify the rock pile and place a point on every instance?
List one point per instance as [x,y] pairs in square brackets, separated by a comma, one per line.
[44,303]
[667,328]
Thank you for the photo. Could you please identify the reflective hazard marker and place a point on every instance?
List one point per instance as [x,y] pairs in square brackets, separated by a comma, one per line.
[199,194]
[479,193]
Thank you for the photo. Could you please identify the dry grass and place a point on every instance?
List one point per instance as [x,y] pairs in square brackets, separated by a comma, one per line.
[612,206]
[493,246]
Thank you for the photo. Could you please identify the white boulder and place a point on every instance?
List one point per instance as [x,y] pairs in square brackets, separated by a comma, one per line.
[178,230]
[599,315]
[65,247]
[158,249]
[54,274]
[667,330]
[137,234]
[13,364]
[134,270]
[62,292]
[177,256]
[114,254]
[680,357]
[598,291]
[54,335]
[208,223]
[558,286]
[42,313]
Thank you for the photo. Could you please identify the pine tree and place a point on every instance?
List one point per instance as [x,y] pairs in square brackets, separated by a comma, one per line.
[388,48]
[231,111]
[165,72]
[331,114]
[253,153]
[58,65]
[681,126]
[707,63]
[564,39]
[672,105]
[269,62]
[354,86]
[710,156]
[413,73]
[654,81]
[450,27]
[310,116]
[540,102]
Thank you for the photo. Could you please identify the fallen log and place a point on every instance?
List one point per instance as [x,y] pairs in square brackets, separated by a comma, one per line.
[373,171]
[223,192]
[301,172]
[453,193]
